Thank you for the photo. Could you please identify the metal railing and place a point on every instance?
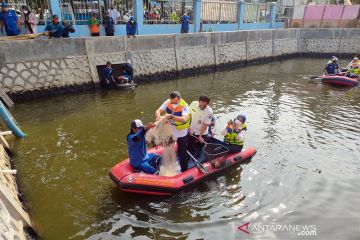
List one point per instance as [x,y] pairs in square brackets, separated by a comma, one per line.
[219,11]
[256,13]
[167,12]
[40,8]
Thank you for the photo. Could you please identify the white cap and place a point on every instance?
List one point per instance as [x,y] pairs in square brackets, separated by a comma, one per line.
[128,61]
[136,123]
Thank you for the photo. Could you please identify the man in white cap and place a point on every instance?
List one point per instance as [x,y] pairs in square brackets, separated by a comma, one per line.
[128,72]
[139,158]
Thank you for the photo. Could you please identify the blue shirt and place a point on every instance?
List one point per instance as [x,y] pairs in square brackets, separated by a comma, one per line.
[9,20]
[185,22]
[56,28]
[109,25]
[331,68]
[131,28]
[137,147]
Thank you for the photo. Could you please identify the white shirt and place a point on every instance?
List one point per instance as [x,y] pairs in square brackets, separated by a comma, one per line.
[185,111]
[114,14]
[199,117]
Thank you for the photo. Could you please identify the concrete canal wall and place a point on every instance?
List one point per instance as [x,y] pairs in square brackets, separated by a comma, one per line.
[32,67]
[13,218]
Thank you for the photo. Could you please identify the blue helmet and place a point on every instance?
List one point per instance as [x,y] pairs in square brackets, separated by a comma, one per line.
[242,116]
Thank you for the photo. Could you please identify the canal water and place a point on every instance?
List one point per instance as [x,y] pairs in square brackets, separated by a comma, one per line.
[306,172]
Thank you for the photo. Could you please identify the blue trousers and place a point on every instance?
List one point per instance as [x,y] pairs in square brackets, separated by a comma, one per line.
[145,164]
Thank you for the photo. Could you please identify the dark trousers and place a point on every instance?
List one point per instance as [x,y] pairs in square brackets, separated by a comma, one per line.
[194,145]
[95,34]
[234,148]
[181,152]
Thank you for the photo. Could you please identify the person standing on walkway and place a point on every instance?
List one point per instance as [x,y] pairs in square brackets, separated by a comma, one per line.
[176,110]
[185,21]
[114,13]
[94,26]
[9,20]
[29,20]
[131,27]
[109,25]
[55,28]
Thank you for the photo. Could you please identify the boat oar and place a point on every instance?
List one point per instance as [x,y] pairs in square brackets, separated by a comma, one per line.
[315,77]
[198,164]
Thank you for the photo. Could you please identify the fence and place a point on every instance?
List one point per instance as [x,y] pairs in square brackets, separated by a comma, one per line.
[219,12]
[167,12]
[257,13]
[326,16]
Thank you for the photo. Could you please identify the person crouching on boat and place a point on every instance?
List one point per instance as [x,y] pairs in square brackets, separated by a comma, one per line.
[139,158]
[354,68]
[332,68]
[234,134]
[107,80]
[127,75]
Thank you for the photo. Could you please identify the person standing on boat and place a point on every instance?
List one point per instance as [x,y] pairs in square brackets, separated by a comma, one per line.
[234,134]
[332,68]
[107,80]
[201,115]
[177,111]
[139,158]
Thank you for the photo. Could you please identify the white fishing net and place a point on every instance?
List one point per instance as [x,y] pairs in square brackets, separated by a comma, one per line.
[162,135]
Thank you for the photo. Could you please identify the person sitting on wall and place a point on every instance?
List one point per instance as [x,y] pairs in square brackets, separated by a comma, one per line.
[107,80]
[68,28]
[139,158]
[54,28]
[234,134]
[354,68]
[131,27]
[332,68]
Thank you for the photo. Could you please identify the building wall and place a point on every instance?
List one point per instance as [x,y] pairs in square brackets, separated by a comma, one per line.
[36,65]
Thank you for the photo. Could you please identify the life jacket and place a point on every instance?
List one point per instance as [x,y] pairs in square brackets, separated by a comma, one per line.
[354,69]
[178,112]
[231,134]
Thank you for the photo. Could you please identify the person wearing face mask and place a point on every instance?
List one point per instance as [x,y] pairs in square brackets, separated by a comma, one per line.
[234,134]
[131,27]
[29,20]
[201,116]
[9,20]
[176,111]
[55,28]
[107,80]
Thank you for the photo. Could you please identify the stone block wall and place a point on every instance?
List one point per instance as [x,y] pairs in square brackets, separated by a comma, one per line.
[61,63]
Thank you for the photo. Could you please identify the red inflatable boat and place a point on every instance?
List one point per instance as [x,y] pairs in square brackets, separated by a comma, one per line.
[128,180]
[340,80]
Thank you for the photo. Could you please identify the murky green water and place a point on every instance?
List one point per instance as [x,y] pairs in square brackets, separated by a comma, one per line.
[307,170]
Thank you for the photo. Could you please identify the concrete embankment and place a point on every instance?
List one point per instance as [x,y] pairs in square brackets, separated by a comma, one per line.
[35,67]
[13,218]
